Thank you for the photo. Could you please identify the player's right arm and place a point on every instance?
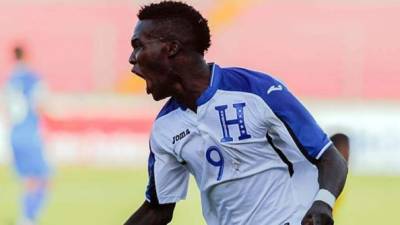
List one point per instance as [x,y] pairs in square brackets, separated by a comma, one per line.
[168,183]
[152,214]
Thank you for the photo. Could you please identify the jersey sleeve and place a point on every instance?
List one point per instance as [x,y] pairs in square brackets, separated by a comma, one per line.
[302,127]
[168,178]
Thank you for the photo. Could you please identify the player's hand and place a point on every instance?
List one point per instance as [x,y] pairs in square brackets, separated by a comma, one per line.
[320,213]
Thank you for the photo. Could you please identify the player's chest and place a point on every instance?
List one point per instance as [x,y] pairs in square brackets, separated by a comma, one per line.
[218,135]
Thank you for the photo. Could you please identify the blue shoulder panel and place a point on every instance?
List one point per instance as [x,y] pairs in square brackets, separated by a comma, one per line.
[306,133]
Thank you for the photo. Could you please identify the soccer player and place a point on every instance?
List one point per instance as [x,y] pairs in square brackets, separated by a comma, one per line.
[23,88]
[257,155]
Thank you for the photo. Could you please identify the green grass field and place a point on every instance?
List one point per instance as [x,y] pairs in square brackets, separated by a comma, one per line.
[98,196]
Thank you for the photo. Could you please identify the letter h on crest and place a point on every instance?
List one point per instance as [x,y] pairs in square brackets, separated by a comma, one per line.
[239,121]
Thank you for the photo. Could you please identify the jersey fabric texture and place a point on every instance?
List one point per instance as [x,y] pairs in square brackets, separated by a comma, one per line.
[250,146]
[26,141]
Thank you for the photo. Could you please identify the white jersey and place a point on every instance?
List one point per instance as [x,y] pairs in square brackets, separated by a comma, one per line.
[250,147]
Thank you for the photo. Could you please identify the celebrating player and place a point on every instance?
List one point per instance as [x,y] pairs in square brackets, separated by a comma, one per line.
[257,155]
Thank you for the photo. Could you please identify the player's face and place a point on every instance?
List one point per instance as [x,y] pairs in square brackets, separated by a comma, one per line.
[150,60]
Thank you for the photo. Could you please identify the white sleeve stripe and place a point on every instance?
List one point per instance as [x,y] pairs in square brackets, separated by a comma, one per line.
[323,149]
[170,199]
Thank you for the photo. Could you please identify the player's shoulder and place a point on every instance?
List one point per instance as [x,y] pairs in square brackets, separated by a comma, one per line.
[168,117]
[246,80]
[169,107]
[168,122]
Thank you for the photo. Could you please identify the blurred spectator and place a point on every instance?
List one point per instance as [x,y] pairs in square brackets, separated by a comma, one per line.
[342,143]
[23,91]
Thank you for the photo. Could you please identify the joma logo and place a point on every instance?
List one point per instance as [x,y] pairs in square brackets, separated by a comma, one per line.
[180,136]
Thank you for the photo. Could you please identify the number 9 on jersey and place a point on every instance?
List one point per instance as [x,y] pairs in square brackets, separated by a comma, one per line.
[215,158]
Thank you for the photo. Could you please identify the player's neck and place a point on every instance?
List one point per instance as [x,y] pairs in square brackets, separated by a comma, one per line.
[195,80]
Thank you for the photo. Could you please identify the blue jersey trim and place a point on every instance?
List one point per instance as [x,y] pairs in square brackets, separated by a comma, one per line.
[151,193]
[305,132]
[281,155]
[170,106]
[213,87]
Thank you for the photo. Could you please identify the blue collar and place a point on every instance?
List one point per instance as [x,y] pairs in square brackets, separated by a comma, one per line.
[213,86]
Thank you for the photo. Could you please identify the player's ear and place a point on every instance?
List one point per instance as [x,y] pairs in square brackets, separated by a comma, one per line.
[174,48]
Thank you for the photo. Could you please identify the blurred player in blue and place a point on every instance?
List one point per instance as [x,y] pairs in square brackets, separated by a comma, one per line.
[23,95]
[257,155]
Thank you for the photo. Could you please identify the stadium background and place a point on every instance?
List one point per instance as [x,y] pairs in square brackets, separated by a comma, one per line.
[342,58]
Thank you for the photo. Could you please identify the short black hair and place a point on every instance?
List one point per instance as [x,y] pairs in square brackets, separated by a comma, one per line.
[340,138]
[179,21]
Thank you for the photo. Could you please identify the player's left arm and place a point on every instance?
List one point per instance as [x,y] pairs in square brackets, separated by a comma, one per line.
[332,172]
[314,144]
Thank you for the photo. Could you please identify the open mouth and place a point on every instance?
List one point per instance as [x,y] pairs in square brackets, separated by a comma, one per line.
[148,91]
[136,72]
